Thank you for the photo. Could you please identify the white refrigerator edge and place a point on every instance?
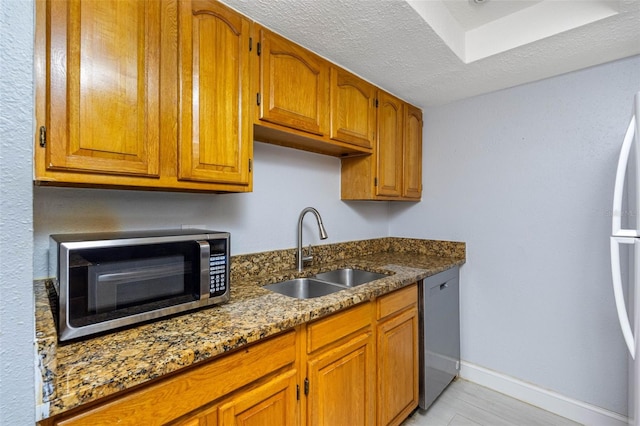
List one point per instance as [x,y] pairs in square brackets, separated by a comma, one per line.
[627,299]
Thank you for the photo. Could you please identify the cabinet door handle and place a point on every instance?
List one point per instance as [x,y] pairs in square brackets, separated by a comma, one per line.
[43,136]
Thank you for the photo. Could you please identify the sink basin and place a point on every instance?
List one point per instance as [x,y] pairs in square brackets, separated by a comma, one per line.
[349,277]
[324,283]
[304,288]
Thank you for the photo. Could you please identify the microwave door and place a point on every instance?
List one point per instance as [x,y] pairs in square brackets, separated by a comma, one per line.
[116,285]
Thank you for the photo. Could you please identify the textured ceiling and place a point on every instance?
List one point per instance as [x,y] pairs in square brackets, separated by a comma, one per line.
[471,15]
[388,43]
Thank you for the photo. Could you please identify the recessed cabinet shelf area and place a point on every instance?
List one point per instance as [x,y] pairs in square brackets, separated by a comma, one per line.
[177,103]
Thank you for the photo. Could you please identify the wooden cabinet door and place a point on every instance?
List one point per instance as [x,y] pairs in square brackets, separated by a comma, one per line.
[208,417]
[341,384]
[216,133]
[412,155]
[397,375]
[353,113]
[273,403]
[293,85]
[389,146]
[102,112]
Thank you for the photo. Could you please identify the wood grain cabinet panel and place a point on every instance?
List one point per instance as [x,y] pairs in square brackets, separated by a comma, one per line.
[293,85]
[412,153]
[388,151]
[353,111]
[273,403]
[397,356]
[215,135]
[102,106]
[342,385]
[394,171]
[207,417]
[143,94]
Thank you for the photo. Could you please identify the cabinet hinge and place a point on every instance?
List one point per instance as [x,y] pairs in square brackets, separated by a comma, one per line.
[43,136]
[375,181]
[258,48]
[250,44]
[297,392]
[306,386]
[258,98]
[250,165]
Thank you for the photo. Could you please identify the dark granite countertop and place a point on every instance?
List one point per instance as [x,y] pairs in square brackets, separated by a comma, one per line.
[85,371]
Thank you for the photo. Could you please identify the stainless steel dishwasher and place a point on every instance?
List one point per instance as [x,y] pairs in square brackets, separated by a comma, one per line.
[439,333]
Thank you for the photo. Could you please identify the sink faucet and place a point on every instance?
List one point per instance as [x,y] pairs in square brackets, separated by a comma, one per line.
[323,236]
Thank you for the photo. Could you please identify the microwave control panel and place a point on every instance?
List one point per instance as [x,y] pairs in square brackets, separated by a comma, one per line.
[217,274]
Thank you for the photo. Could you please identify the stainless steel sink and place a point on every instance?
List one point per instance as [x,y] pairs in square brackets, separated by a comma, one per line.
[349,277]
[304,288]
[324,283]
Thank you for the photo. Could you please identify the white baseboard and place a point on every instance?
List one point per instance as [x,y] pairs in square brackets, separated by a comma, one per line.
[561,405]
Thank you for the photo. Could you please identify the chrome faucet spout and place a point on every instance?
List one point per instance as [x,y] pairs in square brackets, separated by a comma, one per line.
[300,259]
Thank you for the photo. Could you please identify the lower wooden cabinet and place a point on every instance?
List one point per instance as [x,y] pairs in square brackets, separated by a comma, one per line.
[208,417]
[340,380]
[273,403]
[355,367]
[398,357]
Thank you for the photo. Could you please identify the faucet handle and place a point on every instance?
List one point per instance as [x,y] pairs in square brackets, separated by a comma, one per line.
[309,256]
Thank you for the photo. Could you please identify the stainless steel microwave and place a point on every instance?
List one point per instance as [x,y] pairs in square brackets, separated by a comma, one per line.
[110,280]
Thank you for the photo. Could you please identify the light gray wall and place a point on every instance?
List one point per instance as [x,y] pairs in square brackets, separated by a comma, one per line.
[525,177]
[285,182]
[16,238]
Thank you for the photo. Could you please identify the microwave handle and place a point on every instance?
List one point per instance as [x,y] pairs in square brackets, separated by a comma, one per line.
[205,277]
[141,273]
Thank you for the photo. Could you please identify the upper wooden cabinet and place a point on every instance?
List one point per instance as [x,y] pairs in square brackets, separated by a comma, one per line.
[412,153]
[169,94]
[353,109]
[102,103]
[116,90]
[388,152]
[293,84]
[394,171]
[296,97]
[215,136]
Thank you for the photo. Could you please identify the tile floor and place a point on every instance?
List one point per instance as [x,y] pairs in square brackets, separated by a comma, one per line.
[465,403]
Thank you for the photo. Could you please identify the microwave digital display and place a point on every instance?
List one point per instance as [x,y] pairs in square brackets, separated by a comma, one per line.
[105,281]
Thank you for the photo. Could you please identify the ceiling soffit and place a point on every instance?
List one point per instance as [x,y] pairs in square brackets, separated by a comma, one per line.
[476,31]
[390,44]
